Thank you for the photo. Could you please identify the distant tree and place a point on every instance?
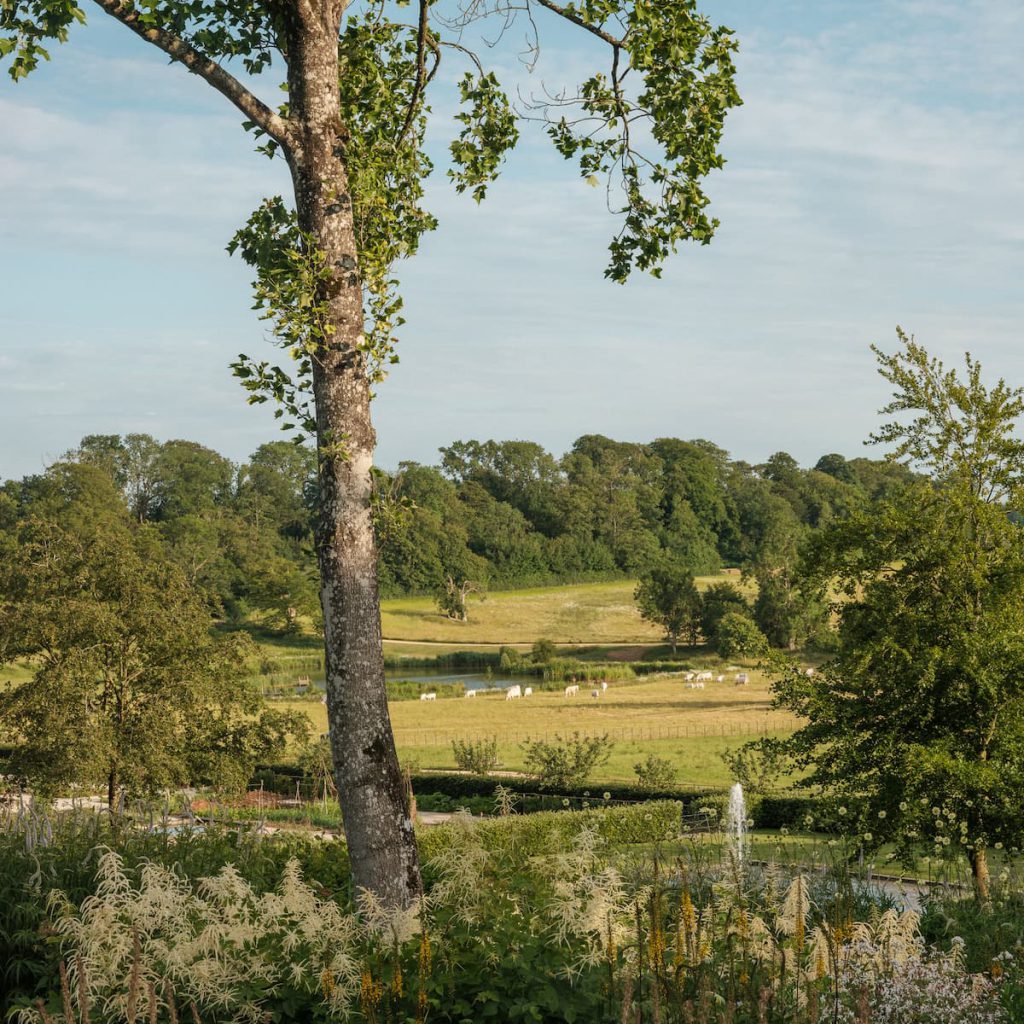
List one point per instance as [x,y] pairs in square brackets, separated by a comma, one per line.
[835,465]
[737,635]
[655,773]
[452,597]
[476,756]
[565,762]
[719,599]
[667,596]
[919,716]
[131,690]
[542,651]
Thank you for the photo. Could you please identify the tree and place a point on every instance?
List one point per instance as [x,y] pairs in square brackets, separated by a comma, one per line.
[131,690]
[718,600]
[452,597]
[351,129]
[668,596]
[565,762]
[737,635]
[919,716]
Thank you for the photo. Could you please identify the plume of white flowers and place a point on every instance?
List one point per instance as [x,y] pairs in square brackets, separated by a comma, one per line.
[216,944]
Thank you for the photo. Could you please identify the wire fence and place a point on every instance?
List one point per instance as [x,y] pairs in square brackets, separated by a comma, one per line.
[764,727]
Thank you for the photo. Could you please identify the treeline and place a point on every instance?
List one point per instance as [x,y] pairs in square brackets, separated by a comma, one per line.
[511,514]
[503,514]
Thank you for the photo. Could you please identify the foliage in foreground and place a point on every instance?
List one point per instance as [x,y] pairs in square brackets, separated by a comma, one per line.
[578,932]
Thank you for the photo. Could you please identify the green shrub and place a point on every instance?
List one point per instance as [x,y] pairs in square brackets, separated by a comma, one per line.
[476,756]
[655,773]
[568,761]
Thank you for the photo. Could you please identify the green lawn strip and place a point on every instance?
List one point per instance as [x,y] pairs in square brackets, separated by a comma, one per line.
[698,760]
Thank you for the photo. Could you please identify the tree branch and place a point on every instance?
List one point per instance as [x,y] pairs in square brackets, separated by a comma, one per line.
[574,17]
[209,70]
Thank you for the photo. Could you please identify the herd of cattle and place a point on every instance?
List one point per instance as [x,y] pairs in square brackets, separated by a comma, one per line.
[692,681]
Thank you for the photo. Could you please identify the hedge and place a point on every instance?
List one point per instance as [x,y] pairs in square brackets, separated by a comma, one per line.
[548,832]
[767,811]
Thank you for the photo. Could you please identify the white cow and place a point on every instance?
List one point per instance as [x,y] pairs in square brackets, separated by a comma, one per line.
[742,679]
[719,679]
[571,691]
[595,694]
[689,677]
[470,693]
[528,692]
[428,696]
[695,686]
[513,692]
[604,686]
[703,677]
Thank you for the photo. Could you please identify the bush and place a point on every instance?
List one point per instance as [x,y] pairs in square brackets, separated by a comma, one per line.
[655,773]
[737,635]
[566,762]
[476,756]
[552,832]
[542,652]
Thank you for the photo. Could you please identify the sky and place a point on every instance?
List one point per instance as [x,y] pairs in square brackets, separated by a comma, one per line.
[874,177]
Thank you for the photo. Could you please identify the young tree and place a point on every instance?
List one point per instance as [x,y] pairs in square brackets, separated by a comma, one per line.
[566,762]
[131,691]
[351,128]
[921,712]
[668,596]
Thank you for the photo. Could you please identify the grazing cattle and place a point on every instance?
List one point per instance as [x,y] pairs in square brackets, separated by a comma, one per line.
[604,686]
[528,692]
[595,694]
[689,676]
[428,696]
[703,677]
[695,686]
[571,691]
[513,691]
[742,679]
[470,693]
[719,679]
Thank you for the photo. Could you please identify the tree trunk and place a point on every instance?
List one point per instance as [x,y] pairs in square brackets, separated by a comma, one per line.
[111,789]
[979,866]
[378,829]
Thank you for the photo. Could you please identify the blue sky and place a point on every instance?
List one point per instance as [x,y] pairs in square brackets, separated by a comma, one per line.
[875,176]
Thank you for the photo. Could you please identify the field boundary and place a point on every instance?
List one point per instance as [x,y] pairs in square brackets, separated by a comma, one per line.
[443,737]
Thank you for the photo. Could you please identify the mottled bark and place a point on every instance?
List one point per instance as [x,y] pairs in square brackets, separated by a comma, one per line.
[378,828]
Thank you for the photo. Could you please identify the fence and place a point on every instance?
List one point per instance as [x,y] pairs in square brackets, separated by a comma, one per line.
[765,727]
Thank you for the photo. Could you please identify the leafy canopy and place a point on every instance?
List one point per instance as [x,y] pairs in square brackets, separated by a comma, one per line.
[920,714]
[647,124]
[131,690]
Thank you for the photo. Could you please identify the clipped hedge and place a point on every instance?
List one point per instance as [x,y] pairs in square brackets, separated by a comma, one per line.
[548,832]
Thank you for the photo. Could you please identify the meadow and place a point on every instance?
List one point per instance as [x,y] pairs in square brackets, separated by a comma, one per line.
[585,613]
[691,728]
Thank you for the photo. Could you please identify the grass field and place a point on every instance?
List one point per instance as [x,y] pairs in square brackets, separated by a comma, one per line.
[689,727]
[586,613]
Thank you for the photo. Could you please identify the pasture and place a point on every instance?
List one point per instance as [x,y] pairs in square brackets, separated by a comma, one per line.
[689,727]
[584,613]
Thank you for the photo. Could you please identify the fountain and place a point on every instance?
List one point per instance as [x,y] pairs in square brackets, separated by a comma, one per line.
[736,822]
